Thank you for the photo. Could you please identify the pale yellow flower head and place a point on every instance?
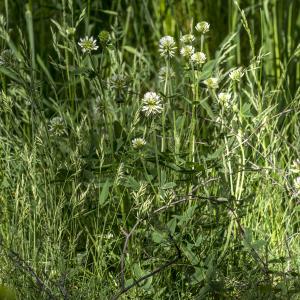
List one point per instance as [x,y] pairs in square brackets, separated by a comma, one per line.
[224,99]
[236,74]
[187,51]
[198,58]
[202,27]
[212,83]
[187,38]
[138,143]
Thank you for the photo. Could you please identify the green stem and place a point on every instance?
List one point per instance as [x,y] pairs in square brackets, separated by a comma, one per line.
[163,120]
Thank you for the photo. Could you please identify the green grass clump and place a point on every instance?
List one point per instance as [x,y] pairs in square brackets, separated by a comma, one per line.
[149,149]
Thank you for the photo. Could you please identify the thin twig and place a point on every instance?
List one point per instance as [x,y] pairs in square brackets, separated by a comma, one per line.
[123,289]
[127,235]
[157,270]
[26,268]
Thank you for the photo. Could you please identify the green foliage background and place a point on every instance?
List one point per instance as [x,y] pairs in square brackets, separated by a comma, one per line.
[209,209]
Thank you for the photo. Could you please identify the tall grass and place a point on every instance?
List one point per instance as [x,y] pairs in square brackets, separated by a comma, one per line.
[206,209]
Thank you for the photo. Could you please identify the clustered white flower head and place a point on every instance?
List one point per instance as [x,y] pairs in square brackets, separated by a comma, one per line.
[198,58]
[212,83]
[236,74]
[224,99]
[187,38]
[187,51]
[167,46]
[296,166]
[202,27]
[138,143]
[297,183]
[165,72]
[57,126]
[88,44]
[151,104]
[70,30]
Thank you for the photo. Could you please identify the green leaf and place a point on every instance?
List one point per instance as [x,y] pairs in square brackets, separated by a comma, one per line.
[172,225]
[158,237]
[187,215]
[130,182]
[5,183]
[109,12]
[257,245]
[245,110]
[207,69]
[104,192]
[168,185]
[135,52]
[137,270]
[198,275]
[209,111]
[46,71]
[9,74]
[217,154]
[190,255]
[248,235]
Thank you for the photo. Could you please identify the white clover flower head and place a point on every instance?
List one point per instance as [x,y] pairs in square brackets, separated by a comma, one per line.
[212,83]
[202,27]
[151,104]
[8,59]
[118,82]
[108,236]
[70,30]
[224,98]
[187,38]
[165,72]
[235,108]
[296,166]
[167,46]
[236,74]
[297,183]
[218,119]
[187,51]
[138,143]
[88,44]
[57,126]
[104,38]
[198,58]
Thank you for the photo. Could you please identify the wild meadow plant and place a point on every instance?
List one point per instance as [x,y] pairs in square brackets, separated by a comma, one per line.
[148,166]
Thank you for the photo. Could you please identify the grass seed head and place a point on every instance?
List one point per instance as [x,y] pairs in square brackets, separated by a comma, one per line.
[236,74]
